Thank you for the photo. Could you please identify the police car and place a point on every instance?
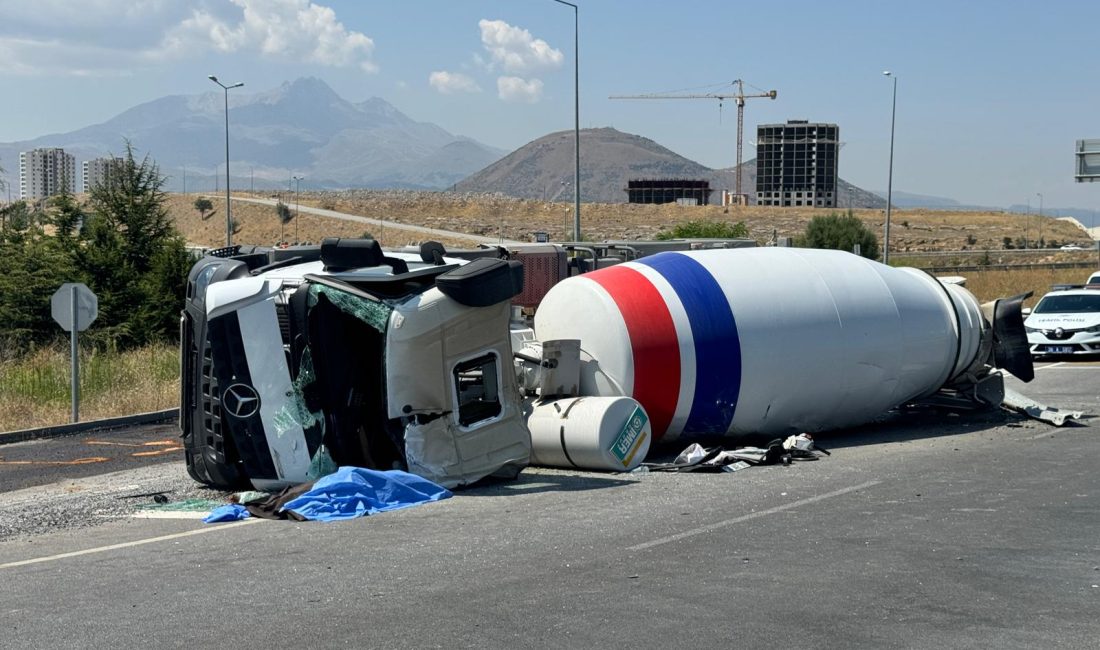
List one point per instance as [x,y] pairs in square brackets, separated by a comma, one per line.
[1065,322]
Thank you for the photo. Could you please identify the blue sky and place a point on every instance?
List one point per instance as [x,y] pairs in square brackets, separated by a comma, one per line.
[991,95]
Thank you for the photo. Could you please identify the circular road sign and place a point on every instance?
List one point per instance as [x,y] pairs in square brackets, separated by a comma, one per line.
[87,306]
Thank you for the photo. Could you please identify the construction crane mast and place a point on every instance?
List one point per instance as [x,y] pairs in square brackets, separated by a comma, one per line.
[738,95]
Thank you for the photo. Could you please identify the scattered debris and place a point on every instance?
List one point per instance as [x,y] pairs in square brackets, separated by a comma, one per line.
[1029,407]
[716,459]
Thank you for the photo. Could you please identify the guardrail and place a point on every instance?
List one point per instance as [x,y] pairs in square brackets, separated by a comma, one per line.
[24,435]
[1052,266]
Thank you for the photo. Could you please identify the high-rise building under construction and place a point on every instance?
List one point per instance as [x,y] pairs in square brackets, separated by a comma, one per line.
[796,164]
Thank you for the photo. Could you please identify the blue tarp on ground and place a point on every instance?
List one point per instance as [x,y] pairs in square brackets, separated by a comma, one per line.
[228,512]
[355,492]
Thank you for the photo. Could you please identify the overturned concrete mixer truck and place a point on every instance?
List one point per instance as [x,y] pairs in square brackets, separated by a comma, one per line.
[430,361]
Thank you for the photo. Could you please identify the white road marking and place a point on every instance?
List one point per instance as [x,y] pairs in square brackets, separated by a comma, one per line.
[168,514]
[139,542]
[736,520]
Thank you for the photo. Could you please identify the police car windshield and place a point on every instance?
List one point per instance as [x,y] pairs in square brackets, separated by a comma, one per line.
[1068,304]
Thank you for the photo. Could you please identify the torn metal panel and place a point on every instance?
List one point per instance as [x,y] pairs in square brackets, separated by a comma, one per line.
[1029,407]
[446,454]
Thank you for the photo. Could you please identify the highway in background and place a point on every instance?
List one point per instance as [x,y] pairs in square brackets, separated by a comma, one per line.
[381,222]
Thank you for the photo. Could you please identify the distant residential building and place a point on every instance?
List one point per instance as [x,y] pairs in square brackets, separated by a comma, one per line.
[44,172]
[669,190]
[796,164]
[95,171]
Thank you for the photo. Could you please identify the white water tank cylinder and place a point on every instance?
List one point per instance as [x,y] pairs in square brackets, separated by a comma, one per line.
[763,340]
[602,433]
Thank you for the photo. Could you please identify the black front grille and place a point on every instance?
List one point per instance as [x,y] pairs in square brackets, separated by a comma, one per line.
[211,407]
[284,321]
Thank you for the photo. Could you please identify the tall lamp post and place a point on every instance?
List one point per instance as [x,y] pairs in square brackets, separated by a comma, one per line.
[890,176]
[1039,243]
[576,122]
[1027,222]
[297,187]
[228,219]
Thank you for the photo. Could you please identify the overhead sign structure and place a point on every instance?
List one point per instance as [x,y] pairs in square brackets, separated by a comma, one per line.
[74,307]
[1087,163]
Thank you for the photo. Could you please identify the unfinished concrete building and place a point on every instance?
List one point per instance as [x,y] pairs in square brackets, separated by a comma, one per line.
[796,164]
[669,190]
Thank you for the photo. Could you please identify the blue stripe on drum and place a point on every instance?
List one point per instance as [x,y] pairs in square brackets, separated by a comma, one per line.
[717,347]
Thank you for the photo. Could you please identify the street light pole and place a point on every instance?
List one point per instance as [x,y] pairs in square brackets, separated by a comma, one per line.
[228,216]
[890,176]
[297,187]
[576,121]
[1040,243]
[1027,221]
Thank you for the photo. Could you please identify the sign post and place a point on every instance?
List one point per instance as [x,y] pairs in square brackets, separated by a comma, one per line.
[74,307]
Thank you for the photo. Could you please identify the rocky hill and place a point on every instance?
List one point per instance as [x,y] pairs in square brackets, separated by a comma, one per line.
[543,170]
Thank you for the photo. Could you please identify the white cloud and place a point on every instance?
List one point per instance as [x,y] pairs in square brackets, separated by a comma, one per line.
[109,37]
[515,50]
[285,28]
[449,83]
[515,89]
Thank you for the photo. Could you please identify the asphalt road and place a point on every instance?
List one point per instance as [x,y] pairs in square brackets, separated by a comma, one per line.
[41,462]
[921,530]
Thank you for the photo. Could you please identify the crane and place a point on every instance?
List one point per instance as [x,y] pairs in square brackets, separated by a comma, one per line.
[738,95]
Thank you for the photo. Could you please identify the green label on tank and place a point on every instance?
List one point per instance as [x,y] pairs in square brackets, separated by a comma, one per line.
[631,437]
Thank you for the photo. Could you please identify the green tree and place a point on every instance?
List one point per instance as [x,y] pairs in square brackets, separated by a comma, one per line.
[132,256]
[32,267]
[67,217]
[17,217]
[203,205]
[282,210]
[706,230]
[840,232]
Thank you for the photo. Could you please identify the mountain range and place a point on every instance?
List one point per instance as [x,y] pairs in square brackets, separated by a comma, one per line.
[303,128]
[300,128]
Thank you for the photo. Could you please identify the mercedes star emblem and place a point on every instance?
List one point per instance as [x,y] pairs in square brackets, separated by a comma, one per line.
[241,401]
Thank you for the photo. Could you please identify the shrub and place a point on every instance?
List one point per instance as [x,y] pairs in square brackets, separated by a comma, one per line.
[840,232]
[706,230]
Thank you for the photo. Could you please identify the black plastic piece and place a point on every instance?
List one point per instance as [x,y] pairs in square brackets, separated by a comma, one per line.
[254,260]
[1011,351]
[482,282]
[302,253]
[384,286]
[346,254]
[398,265]
[432,252]
[290,261]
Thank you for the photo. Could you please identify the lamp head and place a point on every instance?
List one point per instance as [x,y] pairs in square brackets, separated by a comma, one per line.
[237,85]
[212,78]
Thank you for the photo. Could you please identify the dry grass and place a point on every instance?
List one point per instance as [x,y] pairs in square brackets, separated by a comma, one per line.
[993,284]
[493,215]
[34,391]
